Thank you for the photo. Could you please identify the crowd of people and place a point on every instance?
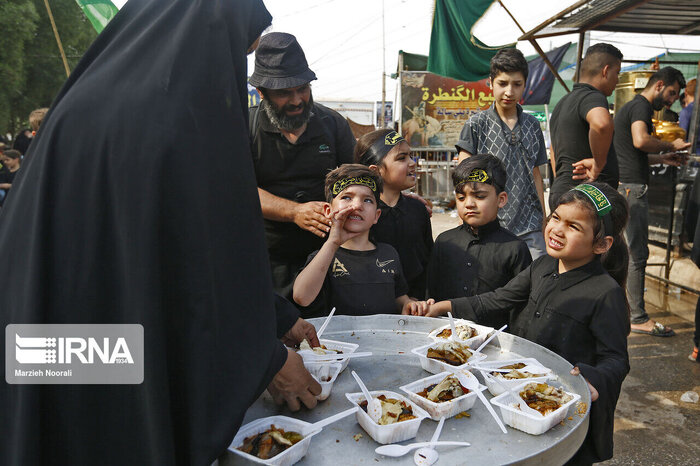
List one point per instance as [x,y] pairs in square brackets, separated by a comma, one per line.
[291,216]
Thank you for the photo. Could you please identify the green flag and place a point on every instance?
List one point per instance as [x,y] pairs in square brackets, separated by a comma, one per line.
[454,51]
[99,12]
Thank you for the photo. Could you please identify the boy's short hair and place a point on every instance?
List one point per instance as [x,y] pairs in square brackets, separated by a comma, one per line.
[13,154]
[480,167]
[36,117]
[668,75]
[599,56]
[361,173]
[508,61]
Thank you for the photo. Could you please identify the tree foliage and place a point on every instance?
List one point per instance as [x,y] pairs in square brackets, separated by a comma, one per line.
[31,69]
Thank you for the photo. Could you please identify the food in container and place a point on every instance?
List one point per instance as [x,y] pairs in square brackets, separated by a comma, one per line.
[325,374]
[399,422]
[468,332]
[331,347]
[450,352]
[284,455]
[442,395]
[464,332]
[551,402]
[305,345]
[511,380]
[270,443]
[393,410]
[447,355]
[543,397]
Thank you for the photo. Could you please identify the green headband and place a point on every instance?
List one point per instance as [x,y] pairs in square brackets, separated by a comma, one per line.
[340,185]
[601,203]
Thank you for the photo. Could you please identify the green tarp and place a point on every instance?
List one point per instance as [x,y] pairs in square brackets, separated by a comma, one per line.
[454,51]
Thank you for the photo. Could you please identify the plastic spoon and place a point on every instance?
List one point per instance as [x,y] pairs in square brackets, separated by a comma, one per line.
[472,384]
[374,406]
[329,420]
[523,406]
[452,326]
[325,324]
[400,450]
[311,356]
[493,335]
[428,455]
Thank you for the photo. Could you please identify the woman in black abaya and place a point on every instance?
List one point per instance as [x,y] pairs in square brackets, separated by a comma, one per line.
[138,205]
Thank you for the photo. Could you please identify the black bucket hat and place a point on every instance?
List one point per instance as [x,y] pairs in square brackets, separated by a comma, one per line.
[280,63]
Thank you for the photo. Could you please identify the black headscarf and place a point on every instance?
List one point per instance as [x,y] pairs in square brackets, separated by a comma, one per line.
[138,205]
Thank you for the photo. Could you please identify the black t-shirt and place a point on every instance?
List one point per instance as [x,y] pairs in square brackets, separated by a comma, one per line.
[406,227]
[570,137]
[360,283]
[464,264]
[297,171]
[634,163]
[6,176]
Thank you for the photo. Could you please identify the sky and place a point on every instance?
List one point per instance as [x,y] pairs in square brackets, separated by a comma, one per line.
[343,42]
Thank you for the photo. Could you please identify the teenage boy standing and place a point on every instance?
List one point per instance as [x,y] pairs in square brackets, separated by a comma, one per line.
[515,137]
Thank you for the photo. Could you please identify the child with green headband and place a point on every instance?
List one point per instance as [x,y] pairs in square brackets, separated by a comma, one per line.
[404,222]
[574,302]
[350,272]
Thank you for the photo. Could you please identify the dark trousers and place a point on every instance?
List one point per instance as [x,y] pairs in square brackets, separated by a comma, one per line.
[637,235]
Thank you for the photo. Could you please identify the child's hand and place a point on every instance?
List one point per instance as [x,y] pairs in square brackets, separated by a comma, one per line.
[438,309]
[417,308]
[591,388]
[338,234]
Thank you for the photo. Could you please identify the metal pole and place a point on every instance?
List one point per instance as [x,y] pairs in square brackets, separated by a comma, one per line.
[695,118]
[537,47]
[382,125]
[58,38]
[579,55]
[669,236]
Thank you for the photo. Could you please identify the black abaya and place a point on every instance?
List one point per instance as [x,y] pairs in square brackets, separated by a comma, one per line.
[138,205]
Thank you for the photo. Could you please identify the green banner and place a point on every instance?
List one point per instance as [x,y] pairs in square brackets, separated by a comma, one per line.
[99,12]
[454,51]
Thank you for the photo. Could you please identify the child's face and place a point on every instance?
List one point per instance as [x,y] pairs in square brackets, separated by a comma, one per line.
[508,89]
[569,235]
[478,203]
[398,169]
[362,199]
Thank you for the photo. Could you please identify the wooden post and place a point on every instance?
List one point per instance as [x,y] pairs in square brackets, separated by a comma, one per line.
[579,55]
[58,38]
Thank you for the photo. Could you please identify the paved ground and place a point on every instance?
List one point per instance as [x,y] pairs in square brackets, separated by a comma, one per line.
[652,425]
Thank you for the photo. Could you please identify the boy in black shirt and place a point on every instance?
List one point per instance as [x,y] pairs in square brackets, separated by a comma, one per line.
[479,255]
[349,272]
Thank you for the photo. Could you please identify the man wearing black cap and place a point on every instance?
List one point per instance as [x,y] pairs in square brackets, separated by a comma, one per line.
[295,143]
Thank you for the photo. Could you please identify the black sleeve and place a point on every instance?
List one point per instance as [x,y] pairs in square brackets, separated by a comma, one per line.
[591,101]
[287,315]
[428,233]
[515,293]
[640,112]
[467,137]
[345,141]
[610,327]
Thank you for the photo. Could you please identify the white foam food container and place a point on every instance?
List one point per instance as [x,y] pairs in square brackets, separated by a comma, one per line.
[496,389]
[446,409]
[346,348]
[527,422]
[391,433]
[321,371]
[435,367]
[289,456]
[474,342]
